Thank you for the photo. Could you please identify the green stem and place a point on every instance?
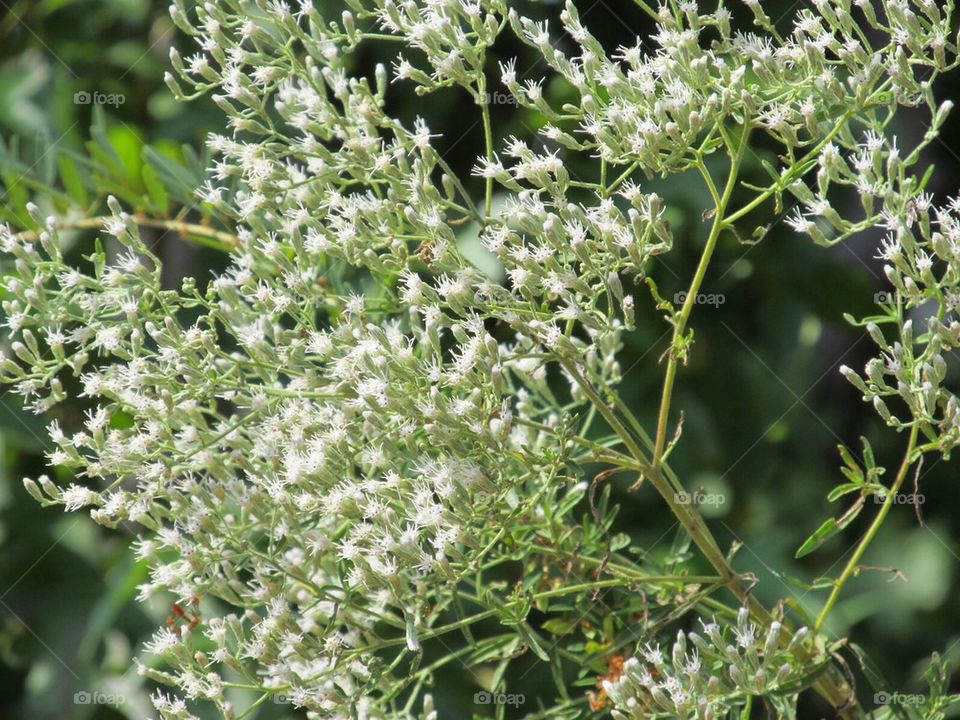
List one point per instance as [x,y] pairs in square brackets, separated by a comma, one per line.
[601,453]
[798,170]
[830,686]
[492,612]
[629,573]
[852,565]
[685,513]
[488,142]
[620,180]
[680,321]
[460,188]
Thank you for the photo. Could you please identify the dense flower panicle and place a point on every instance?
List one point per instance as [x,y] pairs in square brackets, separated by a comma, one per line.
[367,459]
[352,419]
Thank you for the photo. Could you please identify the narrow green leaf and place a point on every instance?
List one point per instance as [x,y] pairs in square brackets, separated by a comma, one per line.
[533,642]
[845,489]
[854,476]
[822,534]
[158,193]
[868,454]
[127,146]
[560,626]
[176,178]
[848,458]
[72,181]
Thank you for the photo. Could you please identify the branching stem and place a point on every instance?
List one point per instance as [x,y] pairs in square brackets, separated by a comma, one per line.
[207,236]
[853,564]
[681,319]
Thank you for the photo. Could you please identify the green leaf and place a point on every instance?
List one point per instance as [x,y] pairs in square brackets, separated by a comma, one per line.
[44,142]
[125,581]
[15,199]
[179,181]
[841,490]
[156,190]
[877,319]
[556,669]
[822,534]
[101,149]
[868,454]
[830,528]
[127,146]
[874,675]
[497,681]
[848,458]
[619,541]
[820,583]
[560,626]
[574,495]
[771,170]
[121,420]
[72,181]
[854,476]
[490,651]
[533,642]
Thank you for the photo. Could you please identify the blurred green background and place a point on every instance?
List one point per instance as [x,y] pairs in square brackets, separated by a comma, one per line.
[763,402]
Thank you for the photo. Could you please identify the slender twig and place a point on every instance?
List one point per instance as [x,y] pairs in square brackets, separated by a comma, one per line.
[484,101]
[853,564]
[224,241]
[681,319]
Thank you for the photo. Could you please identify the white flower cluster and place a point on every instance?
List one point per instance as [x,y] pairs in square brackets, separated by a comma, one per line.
[704,677]
[921,254]
[923,257]
[358,473]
